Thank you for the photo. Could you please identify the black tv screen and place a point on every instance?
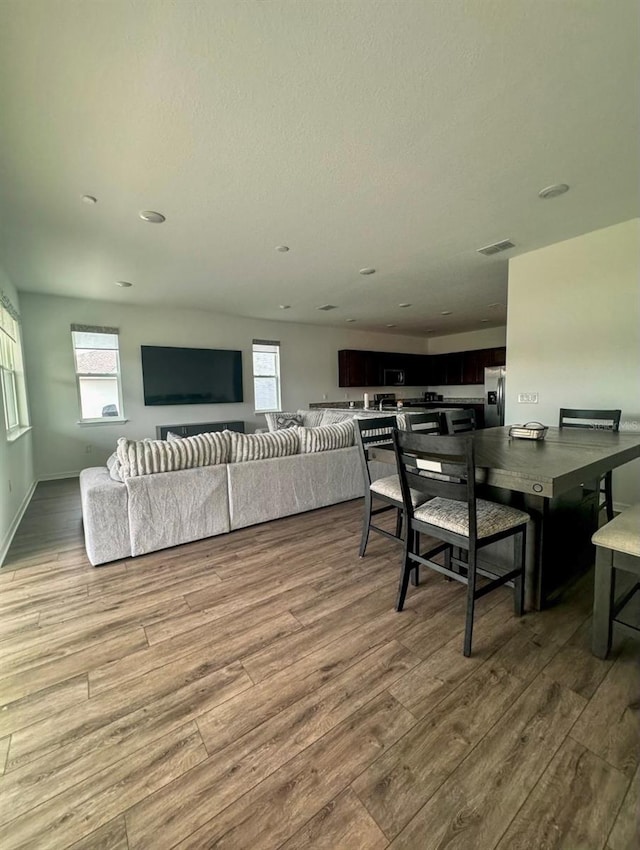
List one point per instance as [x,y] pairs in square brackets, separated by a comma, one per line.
[191,375]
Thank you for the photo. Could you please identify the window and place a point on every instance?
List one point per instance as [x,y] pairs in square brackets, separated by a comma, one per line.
[97,364]
[266,374]
[14,394]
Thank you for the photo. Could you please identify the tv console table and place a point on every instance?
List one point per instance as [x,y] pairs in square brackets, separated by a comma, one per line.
[190,430]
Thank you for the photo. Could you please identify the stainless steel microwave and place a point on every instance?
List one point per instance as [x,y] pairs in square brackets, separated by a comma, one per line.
[393,377]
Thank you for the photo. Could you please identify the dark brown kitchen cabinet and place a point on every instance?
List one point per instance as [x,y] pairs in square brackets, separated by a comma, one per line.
[367,368]
[359,368]
[446,369]
[498,356]
[475,362]
[417,370]
[473,365]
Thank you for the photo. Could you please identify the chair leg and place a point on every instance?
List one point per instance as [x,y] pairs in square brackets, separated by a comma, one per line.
[405,570]
[471,602]
[366,522]
[608,495]
[415,572]
[447,561]
[399,523]
[519,558]
[603,594]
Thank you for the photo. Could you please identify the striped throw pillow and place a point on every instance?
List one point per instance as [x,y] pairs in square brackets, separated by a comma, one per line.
[262,446]
[326,437]
[145,457]
[332,417]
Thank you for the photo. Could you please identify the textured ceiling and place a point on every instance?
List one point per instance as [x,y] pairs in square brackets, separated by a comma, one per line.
[397,135]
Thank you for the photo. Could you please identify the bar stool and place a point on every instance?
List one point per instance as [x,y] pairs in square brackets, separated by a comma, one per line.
[607,420]
[460,421]
[618,548]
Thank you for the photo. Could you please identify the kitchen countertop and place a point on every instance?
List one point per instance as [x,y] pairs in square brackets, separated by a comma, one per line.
[409,402]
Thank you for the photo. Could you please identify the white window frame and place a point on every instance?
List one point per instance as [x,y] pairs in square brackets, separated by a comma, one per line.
[99,420]
[14,402]
[268,346]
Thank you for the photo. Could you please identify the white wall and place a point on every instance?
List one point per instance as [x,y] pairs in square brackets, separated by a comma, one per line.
[573,333]
[309,366]
[16,461]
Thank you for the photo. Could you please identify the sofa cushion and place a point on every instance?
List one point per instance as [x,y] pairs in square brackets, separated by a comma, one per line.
[287,420]
[311,418]
[331,417]
[146,457]
[281,443]
[326,437]
[113,465]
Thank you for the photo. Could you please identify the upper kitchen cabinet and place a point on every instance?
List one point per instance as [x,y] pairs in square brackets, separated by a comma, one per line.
[417,370]
[473,365]
[402,369]
[359,368]
[497,356]
[393,369]
[446,369]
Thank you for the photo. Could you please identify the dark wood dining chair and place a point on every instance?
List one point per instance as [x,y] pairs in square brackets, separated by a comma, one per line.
[425,423]
[375,431]
[460,421]
[442,469]
[606,420]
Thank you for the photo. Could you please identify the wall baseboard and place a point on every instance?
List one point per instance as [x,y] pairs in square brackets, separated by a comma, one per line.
[56,476]
[8,538]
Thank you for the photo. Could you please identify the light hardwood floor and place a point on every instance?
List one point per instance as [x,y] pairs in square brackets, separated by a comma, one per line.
[258,690]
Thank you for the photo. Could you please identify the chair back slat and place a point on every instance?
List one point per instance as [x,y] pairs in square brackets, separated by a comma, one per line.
[460,421]
[605,420]
[429,423]
[436,466]
[372,431]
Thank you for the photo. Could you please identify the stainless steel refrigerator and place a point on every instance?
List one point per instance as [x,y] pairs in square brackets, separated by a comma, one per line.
[494,398]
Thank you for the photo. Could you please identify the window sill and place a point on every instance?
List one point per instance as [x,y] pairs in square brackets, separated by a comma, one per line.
[18,432]
[258,412]
[112,420]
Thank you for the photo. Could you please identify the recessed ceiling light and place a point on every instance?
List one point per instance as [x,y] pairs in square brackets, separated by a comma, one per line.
[484,320]
[125,284]
[89,199]
[391,326]
[152,217]
[404,304]
[367,271]
[446,313]
[282,248]
[285,306]
[350,320]
[326,307]
[553,191]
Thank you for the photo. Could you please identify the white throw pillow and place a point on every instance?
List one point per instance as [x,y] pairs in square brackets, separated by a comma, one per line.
[262,446]
[324,438]
[146,457]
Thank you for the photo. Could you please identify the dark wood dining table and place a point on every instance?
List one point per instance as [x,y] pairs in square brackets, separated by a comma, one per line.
[556,481]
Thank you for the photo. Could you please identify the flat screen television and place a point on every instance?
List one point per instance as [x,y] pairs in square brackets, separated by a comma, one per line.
[191,375]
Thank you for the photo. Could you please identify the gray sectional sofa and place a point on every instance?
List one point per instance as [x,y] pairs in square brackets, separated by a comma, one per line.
[146,512]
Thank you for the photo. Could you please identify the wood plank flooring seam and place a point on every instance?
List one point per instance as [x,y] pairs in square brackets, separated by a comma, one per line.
[591,750]
[457,764]
[5,758]
[295,756]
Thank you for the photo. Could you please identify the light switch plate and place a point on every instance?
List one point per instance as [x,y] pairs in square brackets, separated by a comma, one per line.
[527,398]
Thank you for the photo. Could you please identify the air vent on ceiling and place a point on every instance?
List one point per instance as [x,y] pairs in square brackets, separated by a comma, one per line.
[328,307]
[496,248]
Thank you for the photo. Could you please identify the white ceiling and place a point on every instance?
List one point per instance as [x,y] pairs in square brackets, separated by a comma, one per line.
[397,134]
